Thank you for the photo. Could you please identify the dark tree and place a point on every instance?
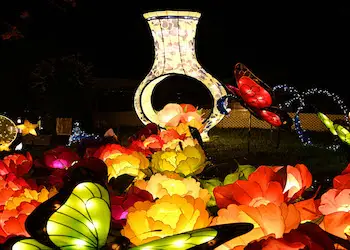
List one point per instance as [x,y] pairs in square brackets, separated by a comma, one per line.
[63,87]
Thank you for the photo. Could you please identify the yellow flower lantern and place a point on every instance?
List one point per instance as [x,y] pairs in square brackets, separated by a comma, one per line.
[131,164]
[147,221]
[190,161]
[160,185]
[175,144]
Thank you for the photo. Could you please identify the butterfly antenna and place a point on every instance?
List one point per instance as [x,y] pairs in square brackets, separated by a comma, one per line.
[152,231]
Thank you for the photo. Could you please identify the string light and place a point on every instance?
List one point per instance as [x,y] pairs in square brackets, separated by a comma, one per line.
[78,135]
[304,138]
[294,92]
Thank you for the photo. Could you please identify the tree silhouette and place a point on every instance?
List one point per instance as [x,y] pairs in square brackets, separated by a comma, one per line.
[62,86]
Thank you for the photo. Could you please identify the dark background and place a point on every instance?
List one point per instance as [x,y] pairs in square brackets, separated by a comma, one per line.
[301,45]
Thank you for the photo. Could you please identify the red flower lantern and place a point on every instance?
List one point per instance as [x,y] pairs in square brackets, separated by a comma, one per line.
[120,204]
[342,181]
[17,164]
[60,157]
[306,236]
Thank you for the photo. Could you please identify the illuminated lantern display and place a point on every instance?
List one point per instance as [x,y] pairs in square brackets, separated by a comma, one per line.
[80,222]
[8,132]
[257,97]
[174,39]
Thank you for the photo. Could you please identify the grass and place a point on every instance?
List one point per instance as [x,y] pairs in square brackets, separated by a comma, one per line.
[227,145]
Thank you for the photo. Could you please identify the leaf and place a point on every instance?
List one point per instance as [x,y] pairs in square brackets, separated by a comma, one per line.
[231,178]
[121,183]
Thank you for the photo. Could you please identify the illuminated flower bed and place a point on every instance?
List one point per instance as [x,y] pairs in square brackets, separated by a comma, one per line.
[150,193]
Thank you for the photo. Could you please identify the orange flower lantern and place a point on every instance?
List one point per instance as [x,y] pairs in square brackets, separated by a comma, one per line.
[261,188]
[298,179]
[17,208]
[335,200]
[111,151]
[308,209]
[267,219]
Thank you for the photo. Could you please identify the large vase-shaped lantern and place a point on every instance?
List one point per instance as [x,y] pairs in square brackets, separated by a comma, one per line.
[174,42]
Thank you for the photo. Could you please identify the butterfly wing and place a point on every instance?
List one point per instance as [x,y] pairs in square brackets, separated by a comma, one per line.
[276,117]
[205,238]
[253,91]
[327,122]
[29,244]
[83,221]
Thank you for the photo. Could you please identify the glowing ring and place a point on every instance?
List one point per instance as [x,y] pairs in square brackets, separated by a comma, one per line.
[304,138]
[146,113]
[8,129]
[173,34]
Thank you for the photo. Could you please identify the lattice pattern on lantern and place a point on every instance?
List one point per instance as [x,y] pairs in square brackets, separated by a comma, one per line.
[174,41]
[8,132]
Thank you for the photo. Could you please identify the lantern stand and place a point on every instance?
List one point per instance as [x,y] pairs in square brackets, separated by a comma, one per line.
[249,131]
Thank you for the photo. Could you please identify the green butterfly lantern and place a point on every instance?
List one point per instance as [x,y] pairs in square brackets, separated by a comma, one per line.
[81,222]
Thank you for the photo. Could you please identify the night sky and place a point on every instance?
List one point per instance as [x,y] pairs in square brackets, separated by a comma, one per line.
[295,44]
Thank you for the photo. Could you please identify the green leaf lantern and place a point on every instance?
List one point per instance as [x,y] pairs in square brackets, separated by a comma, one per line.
[242,173]
[210,185]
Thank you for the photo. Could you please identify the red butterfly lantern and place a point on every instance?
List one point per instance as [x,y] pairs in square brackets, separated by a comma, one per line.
[257,97]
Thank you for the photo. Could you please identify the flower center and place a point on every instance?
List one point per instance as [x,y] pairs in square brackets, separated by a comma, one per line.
[292,184]
[174,187]
[258,201]
[344,208]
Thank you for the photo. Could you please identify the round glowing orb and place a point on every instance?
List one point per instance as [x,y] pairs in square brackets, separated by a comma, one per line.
[8,131]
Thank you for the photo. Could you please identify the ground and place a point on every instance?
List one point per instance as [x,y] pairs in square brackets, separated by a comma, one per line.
[226,146]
